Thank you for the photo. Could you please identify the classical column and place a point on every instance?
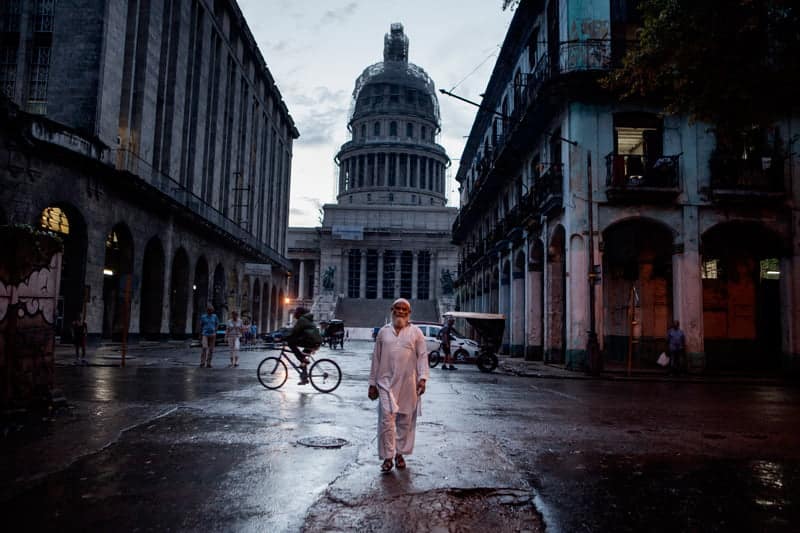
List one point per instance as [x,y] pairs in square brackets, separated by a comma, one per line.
[301,281]
[397,170]
[687,289]
[380,274]
[385,170]
[362,281]
[357,178]
[414,266]
[341,176]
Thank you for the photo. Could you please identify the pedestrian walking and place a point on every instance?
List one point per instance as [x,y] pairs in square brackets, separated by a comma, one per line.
[79,333]
[446,336]
[676,346]
[233,335]
[397,379]
[208,336]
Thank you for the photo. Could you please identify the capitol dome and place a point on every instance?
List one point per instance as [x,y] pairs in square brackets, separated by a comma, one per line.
[393,157]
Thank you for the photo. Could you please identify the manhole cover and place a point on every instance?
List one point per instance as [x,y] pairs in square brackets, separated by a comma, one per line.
[322,442]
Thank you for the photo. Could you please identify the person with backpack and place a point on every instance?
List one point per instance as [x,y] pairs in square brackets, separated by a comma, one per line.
[304,334]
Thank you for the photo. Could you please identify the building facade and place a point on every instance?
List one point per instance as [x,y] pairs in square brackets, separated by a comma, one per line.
[388,235]
[152,137]
[582,214]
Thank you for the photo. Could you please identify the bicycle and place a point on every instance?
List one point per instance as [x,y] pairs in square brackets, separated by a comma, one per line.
[323,374]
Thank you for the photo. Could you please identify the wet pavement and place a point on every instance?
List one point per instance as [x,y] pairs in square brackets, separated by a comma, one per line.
[164,445]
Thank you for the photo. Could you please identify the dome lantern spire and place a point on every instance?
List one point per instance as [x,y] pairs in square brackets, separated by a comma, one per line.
[395,44]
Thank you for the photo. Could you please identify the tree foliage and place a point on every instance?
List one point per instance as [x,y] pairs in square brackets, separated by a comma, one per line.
[733,63]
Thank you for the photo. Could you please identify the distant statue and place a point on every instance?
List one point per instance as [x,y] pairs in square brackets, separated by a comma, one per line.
[447,281]
[327,278]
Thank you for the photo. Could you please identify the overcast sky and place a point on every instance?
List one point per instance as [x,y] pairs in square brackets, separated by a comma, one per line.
[316,49]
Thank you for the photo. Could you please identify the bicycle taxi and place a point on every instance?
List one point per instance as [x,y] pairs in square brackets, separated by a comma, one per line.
[490,328]
[333,334]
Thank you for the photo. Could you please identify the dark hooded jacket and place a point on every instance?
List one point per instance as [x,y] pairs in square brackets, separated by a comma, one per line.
[305,333]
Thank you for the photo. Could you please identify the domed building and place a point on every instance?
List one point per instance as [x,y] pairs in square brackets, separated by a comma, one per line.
[388,235]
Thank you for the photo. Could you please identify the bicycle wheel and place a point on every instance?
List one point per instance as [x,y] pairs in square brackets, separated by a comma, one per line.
[272,372]
[325,375]
[487,362]
[434,358]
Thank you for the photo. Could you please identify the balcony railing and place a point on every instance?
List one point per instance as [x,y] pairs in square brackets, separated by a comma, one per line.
[761,174]
[635,171]
[130,162]
[548,190]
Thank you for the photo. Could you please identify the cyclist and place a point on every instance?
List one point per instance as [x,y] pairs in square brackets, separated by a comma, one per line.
[304,334]
[446,335]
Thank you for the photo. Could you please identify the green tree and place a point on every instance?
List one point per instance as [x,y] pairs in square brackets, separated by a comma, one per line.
[732,63]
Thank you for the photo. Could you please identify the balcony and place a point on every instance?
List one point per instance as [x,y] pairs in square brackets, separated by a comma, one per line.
[634,179]
[211,218]
[548,190]
[759,179]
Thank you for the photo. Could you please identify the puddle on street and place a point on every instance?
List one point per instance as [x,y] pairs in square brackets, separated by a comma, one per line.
[645,493]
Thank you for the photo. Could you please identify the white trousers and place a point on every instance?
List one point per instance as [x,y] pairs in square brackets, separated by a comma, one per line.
[396,432]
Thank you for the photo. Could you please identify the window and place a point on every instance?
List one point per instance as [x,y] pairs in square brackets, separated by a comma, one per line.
[393,129]
[8,70]
[37,87]
[710,269]
[770,268]
[54,219]
[354,274]
[43,16]
[423,132]
[410,130]
[376,129]
[406,266]
[638,145]
[388,274]
[363,131]
[423,274]
[372,275]
[533,44]
[9,16]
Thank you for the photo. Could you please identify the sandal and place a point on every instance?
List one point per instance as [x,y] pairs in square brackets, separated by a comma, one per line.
[386,467]
[399,462]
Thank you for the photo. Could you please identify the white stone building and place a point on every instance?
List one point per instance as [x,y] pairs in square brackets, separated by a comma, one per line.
[388,235]
[580,213]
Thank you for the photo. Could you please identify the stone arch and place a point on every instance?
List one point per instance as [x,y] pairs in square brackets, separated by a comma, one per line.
[200,293]
[179,293]
[556,300]
[152,290]
[741,267]
[494,291]
[117,282]
[637,290]
[218,290]
[70,225]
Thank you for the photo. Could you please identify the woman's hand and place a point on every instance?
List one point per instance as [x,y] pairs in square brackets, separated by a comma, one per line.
[421,387]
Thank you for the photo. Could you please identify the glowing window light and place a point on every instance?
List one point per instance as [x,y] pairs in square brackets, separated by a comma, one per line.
[54,219]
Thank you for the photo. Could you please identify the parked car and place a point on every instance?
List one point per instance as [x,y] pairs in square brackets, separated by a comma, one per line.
[221,329]
[277,336]
[464,350]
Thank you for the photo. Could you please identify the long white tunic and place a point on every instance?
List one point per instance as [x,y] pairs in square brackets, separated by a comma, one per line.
[399,361]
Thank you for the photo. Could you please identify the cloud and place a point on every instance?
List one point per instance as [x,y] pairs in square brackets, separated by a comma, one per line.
[319,113]
[339,14]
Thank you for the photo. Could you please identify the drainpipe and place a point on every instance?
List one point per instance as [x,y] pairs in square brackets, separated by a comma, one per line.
[595,362]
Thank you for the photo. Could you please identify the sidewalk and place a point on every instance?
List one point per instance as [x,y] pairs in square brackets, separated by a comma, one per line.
[539,369]
[144,353]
